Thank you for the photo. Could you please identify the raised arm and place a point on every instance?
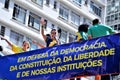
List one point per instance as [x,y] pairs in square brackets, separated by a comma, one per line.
[38,44]
[42,29]
[9,43]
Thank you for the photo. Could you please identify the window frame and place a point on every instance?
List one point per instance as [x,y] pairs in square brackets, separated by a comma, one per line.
[64,13]
[77,2]
[76,18]
[2,30]
[63,33]
[47,2]
[95,9]
[18,10]
[35,1]
[17,37]
[6,5]
[55,5]
[72,36]
[33,17]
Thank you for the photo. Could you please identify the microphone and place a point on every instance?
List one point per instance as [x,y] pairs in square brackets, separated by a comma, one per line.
[59,32]
[1,48]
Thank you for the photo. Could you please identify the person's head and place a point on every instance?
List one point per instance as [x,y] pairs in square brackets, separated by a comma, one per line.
[83,28]
[95,21]
[25,45]
[53,33]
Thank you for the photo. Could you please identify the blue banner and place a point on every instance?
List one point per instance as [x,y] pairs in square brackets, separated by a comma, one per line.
[90,57]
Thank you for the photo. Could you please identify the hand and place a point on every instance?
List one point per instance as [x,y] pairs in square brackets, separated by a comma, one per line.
[2,38]
[42,21]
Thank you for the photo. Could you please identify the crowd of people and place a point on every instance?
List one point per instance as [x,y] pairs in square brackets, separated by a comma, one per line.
[84,33]
[97,30]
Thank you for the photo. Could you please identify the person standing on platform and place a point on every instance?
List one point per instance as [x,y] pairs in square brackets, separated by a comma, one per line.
[81,35]
[16,49]
[50,39]
[98,30]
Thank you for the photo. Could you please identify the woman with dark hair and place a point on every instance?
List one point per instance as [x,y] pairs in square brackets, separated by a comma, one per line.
[81,35]
[82,32]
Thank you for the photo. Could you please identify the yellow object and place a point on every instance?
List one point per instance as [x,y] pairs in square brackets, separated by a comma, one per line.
[78,36]
[17,49]
[52,43]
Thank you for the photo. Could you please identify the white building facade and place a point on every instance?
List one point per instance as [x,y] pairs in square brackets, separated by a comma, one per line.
[113,14]
[113,19]
[20,19]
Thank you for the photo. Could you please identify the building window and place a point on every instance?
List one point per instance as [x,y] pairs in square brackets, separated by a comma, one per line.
[118,27]
[95,9]
[112,27]
[32,46]
[84,20]
[63,37]
[108,0]
[115,27]
[109,9]
[52,26]
[19,13]
[86,2]
[119,16]
[108,19]
[2,31]
[55,5]
[6,4]
[34,21]
[64,12]
[77,2]
[16,38]
[112,18]
[39,2]
[116,16]
[75,19]
[47,2]
[71,38]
